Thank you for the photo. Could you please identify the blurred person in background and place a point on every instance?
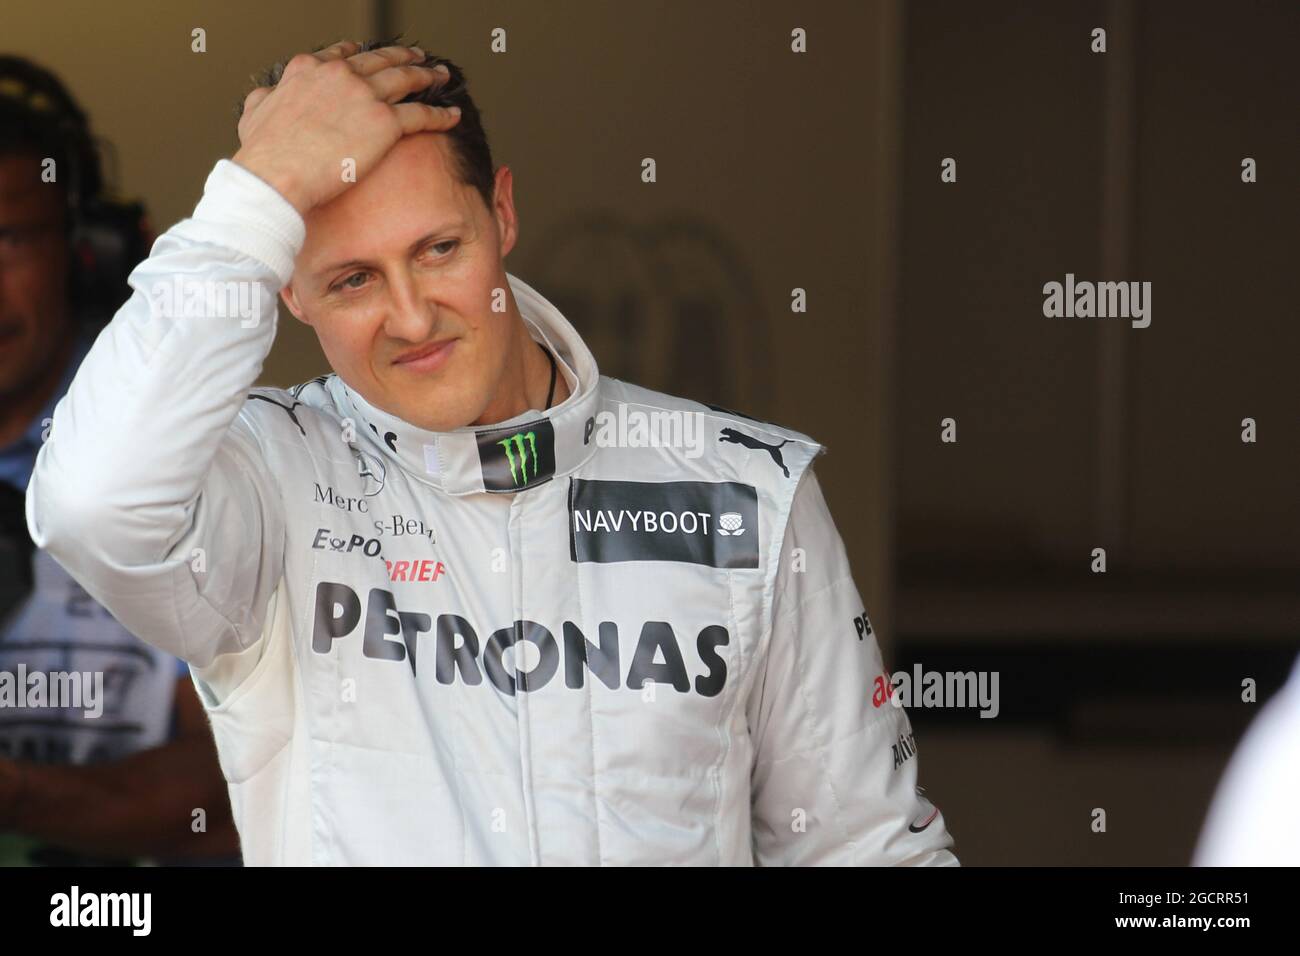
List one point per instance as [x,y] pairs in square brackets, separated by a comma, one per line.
[1253,821]
[129,771]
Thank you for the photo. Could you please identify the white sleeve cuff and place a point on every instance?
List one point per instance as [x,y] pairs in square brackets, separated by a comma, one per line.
[243,212]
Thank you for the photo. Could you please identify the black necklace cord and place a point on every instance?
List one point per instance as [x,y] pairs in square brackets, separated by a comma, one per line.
[550,392]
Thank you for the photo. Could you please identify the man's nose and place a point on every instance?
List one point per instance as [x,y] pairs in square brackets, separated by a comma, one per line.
[410,315]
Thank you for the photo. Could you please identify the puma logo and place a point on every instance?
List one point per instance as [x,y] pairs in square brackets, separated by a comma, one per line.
[749,441]
[288,408]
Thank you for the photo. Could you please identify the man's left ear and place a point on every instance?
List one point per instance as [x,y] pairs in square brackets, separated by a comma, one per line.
[503,209]
[290,299]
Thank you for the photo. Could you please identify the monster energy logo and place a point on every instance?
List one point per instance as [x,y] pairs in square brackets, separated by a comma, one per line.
[519,456]
[517,439]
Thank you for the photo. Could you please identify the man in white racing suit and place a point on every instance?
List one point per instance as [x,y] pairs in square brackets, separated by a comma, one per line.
[441,606]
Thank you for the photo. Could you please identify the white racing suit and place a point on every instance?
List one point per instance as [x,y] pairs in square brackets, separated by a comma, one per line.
[543,642]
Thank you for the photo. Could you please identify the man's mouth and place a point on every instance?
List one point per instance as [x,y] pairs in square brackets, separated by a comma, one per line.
[426,358]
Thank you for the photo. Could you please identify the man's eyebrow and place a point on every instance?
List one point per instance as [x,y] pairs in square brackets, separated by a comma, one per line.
[446,227]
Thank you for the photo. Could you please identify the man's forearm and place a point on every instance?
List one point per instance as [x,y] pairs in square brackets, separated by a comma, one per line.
[147,422]
[134,439]
[142,805]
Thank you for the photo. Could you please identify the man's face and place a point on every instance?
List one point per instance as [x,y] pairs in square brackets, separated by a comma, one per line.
[396,276]
[34,315]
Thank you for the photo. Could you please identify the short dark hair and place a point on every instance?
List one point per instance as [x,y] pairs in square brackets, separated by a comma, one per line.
[472,155]
[41,119]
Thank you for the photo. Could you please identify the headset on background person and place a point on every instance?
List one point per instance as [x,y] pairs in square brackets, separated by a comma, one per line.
[107,236]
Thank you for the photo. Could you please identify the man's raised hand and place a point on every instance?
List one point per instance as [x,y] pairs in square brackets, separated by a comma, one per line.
[333,106]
